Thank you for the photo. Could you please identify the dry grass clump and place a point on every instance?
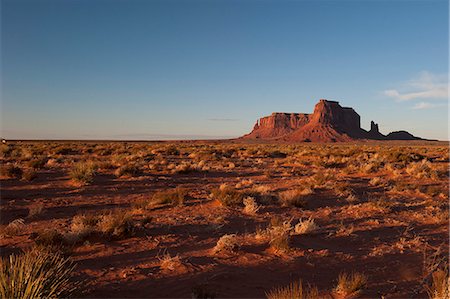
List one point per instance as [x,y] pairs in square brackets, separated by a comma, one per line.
[244,183]
[11,171]
[294,198]
[323,179]
[29,175]
[280,241]
[350,284]
[278,233]
[116,224]
[422,169]
[81,227]
[251,207]
[37,163]
[306,226]
[49,238]
[440,285]
[36,274]
[82,173]
[226,243]
[170,263]
[35,210]
[14,228]
[228,196]
[176,196]
[295,290]
[128,170]
[186,168]
[403,157]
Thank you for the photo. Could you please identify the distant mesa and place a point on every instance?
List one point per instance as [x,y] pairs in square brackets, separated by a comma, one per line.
[330,122]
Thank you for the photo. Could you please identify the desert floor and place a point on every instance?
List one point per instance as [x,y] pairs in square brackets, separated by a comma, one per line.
[144,219]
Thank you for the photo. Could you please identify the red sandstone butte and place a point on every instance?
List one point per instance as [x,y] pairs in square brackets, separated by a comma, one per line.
[330,122]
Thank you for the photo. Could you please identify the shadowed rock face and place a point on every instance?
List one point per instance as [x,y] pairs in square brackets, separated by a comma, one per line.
[330,122]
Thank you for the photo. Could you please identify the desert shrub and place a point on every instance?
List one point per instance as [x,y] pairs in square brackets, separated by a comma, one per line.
[66,150]
[439,287]
[403,157]
[293,198]
[228,196]
[128,170]
[294,290]
[171,150]
[279,240]
[251,207]
[11,171]
[35,210]
[29,175]
[37,163]
[422,169]
[168,262]
[49,238]
[277,154]
[305,227]
[81,227]
[322,179]
[36,274]
[244,183]
[116,224]
[350,284]
[82,173]
[187,168]
[279,232]
[5,150]
[14,228]
[176,196]
[226,243]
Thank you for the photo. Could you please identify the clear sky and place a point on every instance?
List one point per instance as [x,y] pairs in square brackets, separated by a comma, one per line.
[102,69]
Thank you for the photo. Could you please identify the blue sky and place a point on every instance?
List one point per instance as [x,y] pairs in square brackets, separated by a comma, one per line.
[102,69]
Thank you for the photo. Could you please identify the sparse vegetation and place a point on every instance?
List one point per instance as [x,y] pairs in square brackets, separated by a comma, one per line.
[117,224]
[226,244]
[294,290]
[11,171]
[251,207]
[176,196]
[228,196]
[350,284]
[82,173]
[294,198]
[128,170]
[440,284]
[222,205]
[14,227]
[305,226]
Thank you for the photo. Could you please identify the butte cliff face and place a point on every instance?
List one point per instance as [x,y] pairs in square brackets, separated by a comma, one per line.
[330,122]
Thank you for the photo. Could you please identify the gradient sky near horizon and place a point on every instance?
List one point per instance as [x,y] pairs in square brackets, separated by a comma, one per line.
[181,69]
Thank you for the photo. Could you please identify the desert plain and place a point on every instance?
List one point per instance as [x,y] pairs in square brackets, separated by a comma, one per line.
[232,219]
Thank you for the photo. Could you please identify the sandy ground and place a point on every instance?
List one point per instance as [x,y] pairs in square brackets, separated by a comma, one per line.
[388,235]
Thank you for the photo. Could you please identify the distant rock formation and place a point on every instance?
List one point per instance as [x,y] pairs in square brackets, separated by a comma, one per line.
[330,122]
